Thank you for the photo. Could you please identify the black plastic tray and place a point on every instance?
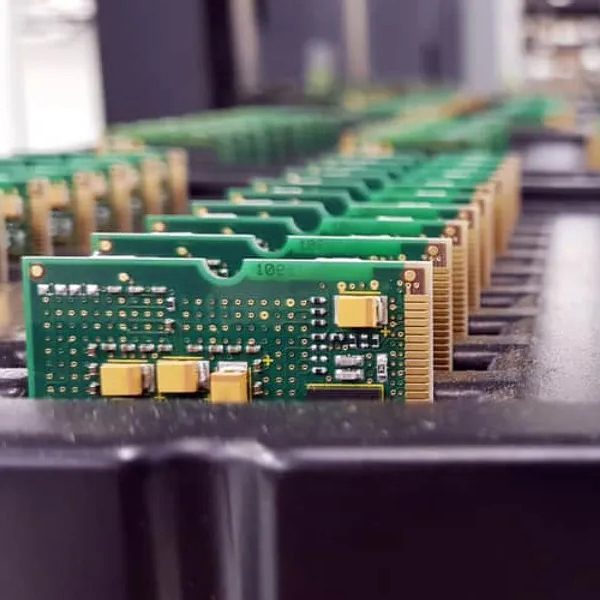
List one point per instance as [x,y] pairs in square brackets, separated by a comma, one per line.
[334,501]
[489,492]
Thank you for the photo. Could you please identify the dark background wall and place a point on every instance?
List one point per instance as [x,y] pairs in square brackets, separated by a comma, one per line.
[414,39]
[286,26]
[156,57]
[411,39]
[161,57]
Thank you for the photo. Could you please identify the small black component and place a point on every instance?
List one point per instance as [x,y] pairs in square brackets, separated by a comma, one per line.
[349,392]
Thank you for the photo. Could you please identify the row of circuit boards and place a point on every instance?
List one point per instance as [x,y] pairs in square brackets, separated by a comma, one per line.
[350,278]
[51,204]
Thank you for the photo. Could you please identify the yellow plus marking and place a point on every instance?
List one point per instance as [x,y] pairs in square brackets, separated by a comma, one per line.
[385,331]
[267,360]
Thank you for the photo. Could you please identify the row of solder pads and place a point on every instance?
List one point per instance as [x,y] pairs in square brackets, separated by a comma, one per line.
[349,278]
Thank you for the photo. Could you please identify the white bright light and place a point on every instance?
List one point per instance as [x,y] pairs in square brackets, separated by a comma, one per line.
[559,3]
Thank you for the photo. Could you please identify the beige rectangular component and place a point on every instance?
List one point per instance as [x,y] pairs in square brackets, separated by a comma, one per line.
[60,197]
[121,184]
[11,206]
[565,119]
[229,387]
[500,215]
[592,151]
[121,379]
[177,376]
[511,171]
[39,192]
[153,172]
[4,264]
[356,311]
[177,178]
[84,210]
[508,205]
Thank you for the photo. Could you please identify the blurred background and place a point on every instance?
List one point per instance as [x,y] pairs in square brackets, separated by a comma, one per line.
[70,67]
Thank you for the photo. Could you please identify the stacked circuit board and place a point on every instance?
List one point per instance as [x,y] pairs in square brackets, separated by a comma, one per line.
[282,329]
[348,278]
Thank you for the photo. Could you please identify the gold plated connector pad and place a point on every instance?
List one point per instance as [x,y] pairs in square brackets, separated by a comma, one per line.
[418,332]
[457,231]
[443,335]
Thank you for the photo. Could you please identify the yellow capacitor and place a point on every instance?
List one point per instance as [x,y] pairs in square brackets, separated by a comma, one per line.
[356,311]
[229,387]
[121,379]
[177,376]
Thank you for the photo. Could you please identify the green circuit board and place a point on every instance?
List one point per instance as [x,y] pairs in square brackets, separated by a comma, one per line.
[307,216]
[277,330]
[273,232]
[334,202]
[479,241]
[226,253]
[355,188]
